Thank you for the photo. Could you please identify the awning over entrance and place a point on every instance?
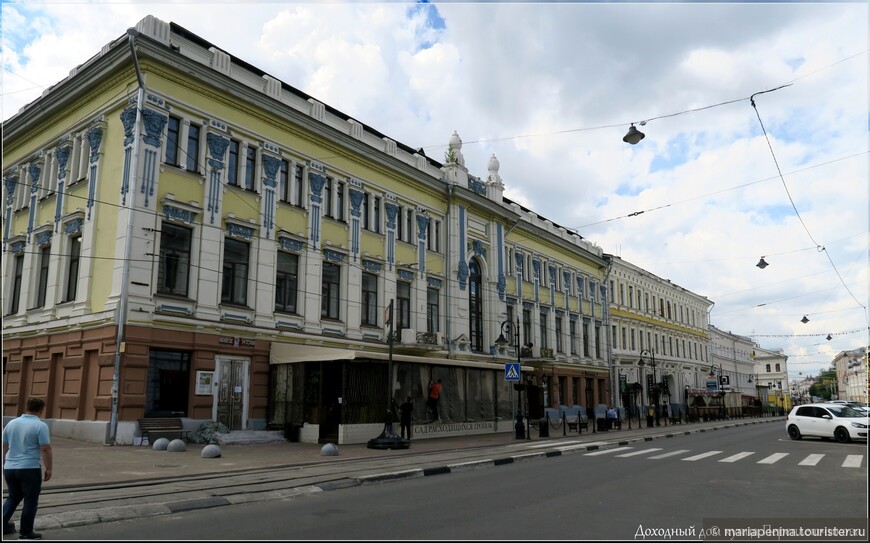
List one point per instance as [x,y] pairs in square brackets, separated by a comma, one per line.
[289,353]
[292,353]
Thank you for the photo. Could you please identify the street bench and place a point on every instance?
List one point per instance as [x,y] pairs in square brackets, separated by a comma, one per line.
[169,426]
[576,418]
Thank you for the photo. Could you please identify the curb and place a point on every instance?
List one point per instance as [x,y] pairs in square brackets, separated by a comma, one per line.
[70,519]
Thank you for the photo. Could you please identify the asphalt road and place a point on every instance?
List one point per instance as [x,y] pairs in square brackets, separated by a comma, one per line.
[751,472]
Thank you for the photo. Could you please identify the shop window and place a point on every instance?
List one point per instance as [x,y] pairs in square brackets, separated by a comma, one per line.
[167,390]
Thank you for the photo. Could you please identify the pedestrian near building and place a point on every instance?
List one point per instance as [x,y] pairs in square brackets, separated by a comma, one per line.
[405,417]
[26,441]
[650,415]
[432,402]
[613,418]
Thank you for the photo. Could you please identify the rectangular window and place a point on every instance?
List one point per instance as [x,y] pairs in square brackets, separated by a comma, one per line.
[286,282]
[527,326]
[559,334]
[543,326]
[369,299]
[233,164]
[16,285]
[631,297]
[777,367]
[173,129]
[330,293]
[193,148]
[327,198]
[409,225]
[585,338]
[299,185]
[511,330]
[597,341]
[250,167]
[632,339]
[767,368]
[403,296]
[42,287]
[572,329]
[174,271]
[376,215]
[364,218]
[438,237]
[284,181]
[400,224]
[433,310]
[521,269]
[234,289]
[72,274]
[613,336]
[339,201]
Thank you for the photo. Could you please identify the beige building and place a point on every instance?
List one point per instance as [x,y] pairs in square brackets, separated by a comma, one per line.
[851,367]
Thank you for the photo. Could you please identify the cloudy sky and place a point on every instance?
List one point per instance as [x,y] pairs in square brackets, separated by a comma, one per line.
[551,89]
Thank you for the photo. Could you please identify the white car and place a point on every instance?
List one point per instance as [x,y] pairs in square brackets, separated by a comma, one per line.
[827,420]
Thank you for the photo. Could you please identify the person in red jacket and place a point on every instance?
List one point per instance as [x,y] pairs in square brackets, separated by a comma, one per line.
[434,395]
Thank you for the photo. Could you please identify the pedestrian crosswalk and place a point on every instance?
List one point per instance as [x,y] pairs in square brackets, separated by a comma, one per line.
[850,461]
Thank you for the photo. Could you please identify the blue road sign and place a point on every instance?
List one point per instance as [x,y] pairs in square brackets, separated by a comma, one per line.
[512,371]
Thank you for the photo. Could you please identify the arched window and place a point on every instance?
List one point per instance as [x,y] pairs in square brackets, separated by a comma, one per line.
[475,306]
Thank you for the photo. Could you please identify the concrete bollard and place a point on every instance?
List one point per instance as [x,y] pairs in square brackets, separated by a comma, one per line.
[176,445]
[330,449]
[160,444]
[211,451]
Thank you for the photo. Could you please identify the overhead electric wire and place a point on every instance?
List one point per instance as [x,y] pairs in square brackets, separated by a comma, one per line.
[790,199]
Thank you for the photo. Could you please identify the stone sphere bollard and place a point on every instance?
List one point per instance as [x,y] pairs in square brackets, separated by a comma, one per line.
[211,451]
[160,444]
[176,445]
[330,449]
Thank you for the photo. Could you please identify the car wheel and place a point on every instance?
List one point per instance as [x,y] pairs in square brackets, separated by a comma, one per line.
[842,435]
[794,433]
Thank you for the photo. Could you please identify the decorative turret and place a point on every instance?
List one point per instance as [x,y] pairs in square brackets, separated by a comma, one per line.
[454,163]
[494,184]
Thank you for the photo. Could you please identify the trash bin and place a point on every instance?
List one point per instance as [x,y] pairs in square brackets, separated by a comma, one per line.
[291,432]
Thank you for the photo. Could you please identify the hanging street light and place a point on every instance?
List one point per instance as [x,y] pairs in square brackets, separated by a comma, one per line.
[633,136]
[762,264]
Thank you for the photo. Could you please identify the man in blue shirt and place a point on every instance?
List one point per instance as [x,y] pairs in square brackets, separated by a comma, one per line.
[26,441]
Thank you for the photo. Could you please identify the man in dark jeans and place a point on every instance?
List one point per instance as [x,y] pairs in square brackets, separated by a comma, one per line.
[26,440]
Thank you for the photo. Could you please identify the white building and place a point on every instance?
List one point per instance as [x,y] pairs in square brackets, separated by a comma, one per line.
[851,367]
[663,324]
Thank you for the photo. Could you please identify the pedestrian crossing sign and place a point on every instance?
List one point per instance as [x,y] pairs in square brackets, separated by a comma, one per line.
[512,371]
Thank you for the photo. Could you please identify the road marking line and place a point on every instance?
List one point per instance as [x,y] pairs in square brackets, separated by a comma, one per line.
[700,456]
[608,451]
[853,461]
[773,458]
[811,460]
[635,453]
[576,446]
[674,453]
[736,457]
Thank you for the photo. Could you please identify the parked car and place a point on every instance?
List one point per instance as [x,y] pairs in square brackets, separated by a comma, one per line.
[827,420]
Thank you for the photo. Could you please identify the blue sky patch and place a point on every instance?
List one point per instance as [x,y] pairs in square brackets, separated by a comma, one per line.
[433,22]
[679,150]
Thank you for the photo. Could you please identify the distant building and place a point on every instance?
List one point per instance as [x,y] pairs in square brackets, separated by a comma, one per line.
[771,369]
[734,367]
[851,368]
[653,319]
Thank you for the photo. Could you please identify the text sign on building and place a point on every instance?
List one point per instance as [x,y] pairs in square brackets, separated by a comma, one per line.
[236,341]
[512,371]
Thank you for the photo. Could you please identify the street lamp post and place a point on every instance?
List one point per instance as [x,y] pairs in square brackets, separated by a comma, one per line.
[652,392]
[718,375]
[507,326]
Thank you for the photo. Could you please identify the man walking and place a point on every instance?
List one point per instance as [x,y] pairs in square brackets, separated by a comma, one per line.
[25,441]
